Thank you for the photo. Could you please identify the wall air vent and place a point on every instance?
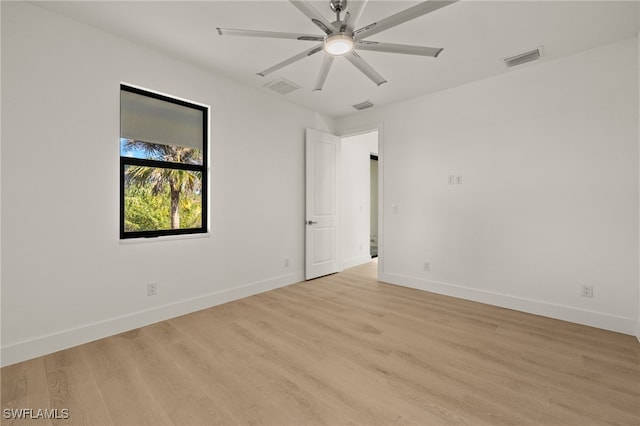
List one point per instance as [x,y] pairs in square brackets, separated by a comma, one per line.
[282,86]
[522,58]
[363,105]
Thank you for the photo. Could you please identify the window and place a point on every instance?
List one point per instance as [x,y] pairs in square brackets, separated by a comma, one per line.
[163,165]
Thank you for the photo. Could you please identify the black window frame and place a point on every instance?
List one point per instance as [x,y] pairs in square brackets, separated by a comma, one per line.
[203,169]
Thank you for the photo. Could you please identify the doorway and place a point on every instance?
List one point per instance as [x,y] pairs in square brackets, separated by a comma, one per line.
[373,233]
[359,212]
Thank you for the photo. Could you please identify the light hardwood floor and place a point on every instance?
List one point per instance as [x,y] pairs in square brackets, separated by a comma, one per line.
[343,349]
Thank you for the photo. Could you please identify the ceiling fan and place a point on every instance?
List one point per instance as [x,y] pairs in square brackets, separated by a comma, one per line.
[342,39]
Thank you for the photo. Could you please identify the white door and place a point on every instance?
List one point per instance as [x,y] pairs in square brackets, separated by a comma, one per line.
[322,238]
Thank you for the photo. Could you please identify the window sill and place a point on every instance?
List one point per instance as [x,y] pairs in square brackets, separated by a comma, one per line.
[128,241]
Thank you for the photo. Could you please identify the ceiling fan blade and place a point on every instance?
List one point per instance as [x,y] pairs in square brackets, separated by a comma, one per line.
[401,17]
[359,63]
[317,48]
[315,16]
[398,48]
[355,10]
[324,71]
[268,34]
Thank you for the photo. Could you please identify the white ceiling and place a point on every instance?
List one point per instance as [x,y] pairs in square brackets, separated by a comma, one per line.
[475,35]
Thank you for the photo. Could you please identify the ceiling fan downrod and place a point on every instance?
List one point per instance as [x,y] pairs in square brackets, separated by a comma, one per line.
[338,6]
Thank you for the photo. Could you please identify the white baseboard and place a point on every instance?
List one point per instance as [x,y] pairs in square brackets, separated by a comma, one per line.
[561,312]
[43,345]
[355,261]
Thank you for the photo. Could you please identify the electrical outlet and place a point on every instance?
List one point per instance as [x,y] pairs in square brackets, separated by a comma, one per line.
[587,291]
[452,179]
[427,266]
[152,289]
[459,180]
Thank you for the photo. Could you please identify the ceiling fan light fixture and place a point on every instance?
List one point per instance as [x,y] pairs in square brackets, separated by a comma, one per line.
[338,44]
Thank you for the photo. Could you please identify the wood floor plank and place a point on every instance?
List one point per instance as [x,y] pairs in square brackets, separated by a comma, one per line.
[378,361]
[125,394]
[324,370]
[72,387]
[340,350]
[24,387]
[224,369]
[167,383]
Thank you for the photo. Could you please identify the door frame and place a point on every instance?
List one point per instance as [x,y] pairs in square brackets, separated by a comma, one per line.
[355,131]
[376,158]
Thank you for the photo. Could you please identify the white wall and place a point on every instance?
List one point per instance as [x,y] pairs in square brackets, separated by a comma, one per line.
[356,197]
[548,153]
[66,278]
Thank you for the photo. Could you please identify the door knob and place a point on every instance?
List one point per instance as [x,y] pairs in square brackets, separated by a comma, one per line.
[311,222]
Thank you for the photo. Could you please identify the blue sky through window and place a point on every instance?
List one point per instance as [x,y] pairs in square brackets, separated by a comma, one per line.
[136,152]
[159,152]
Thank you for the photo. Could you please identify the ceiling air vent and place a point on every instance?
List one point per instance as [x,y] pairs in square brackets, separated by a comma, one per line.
[522,58]
[363,105]
[282,86]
